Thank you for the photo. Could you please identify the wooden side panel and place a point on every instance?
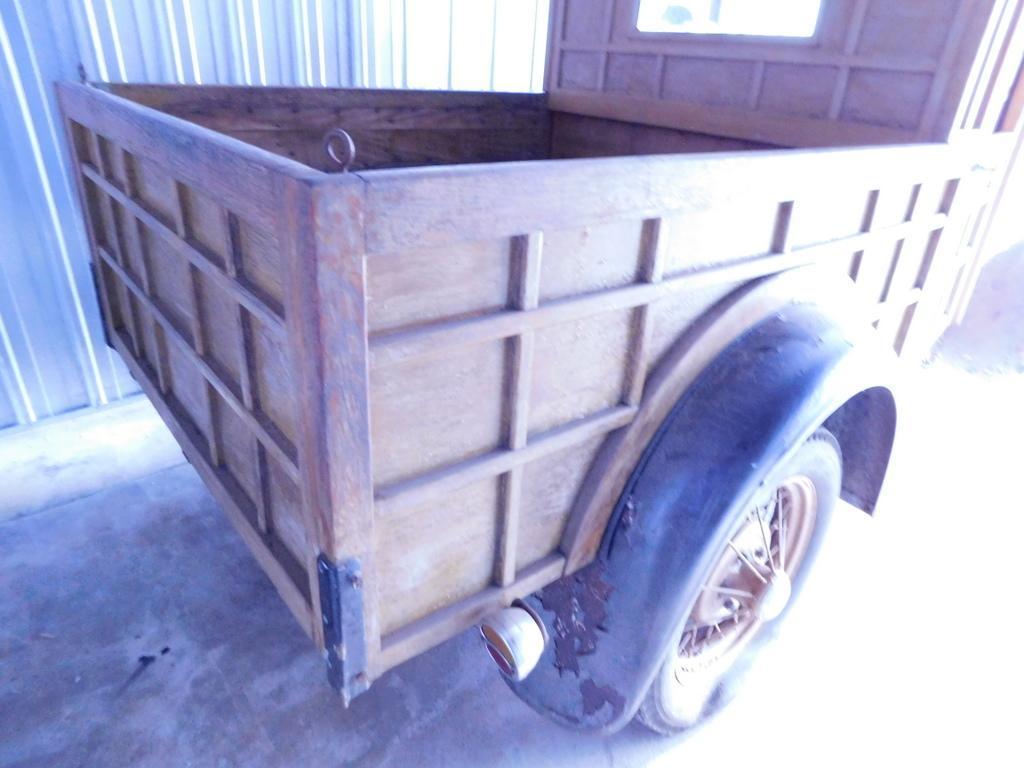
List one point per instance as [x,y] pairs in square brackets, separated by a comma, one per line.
[876,72]
[581,136]
[435,284]
[390,128]
[550,486]
[452,413]
[587,381]
[436,553]
[507,344]
[195,283]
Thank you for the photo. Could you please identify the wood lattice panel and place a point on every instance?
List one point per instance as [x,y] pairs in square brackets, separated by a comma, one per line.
[192,296]
[589,312]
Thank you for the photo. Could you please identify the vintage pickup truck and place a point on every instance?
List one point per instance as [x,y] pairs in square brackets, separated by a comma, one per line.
[590,368]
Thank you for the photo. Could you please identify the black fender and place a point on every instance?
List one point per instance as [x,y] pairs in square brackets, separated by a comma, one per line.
[749,409]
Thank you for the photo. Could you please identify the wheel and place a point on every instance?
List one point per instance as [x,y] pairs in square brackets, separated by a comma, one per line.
[748,589]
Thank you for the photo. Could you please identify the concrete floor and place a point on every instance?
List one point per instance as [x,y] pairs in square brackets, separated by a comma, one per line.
[80,453]
[136,630]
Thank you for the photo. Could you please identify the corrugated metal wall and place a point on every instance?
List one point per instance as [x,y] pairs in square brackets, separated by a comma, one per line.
[52,355]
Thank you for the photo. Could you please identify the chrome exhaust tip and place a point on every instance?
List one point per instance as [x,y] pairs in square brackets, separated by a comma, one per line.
[514,638]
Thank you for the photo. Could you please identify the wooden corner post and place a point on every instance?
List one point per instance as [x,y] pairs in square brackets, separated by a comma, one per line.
[338,425]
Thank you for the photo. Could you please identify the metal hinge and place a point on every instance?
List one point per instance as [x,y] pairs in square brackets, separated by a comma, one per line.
[341,610]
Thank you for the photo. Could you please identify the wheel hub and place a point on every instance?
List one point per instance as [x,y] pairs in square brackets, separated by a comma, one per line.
[751,583]
[775,597]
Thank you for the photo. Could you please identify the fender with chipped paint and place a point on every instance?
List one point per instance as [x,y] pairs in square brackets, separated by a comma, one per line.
[754,405]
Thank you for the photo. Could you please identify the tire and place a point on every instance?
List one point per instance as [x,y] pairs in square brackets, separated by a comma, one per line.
[736,614]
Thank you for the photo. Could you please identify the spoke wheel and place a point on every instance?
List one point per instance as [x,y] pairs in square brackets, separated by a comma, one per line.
[749,586]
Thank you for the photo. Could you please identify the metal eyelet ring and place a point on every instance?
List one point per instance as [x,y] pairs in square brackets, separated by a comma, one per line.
[340,148]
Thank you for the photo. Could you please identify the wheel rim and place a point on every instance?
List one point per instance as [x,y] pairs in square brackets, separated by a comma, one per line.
[749,585]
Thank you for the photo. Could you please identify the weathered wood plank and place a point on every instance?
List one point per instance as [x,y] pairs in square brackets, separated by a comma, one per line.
[403,148]
[412,640]
[339,271]
[241,103]
[732,122]
[438,338]
[243,178]
[390,127]
[301,242]
[508,199]
[579,136]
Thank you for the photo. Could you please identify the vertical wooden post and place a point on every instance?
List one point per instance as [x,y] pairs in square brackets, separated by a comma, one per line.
[948,261]
[74,135]
[524,294]
[197,323]
[653,241]
[115,243]
[132,191]
[328,329]
[247,382]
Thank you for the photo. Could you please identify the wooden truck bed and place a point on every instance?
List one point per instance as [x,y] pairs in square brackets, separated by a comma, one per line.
[408,371]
